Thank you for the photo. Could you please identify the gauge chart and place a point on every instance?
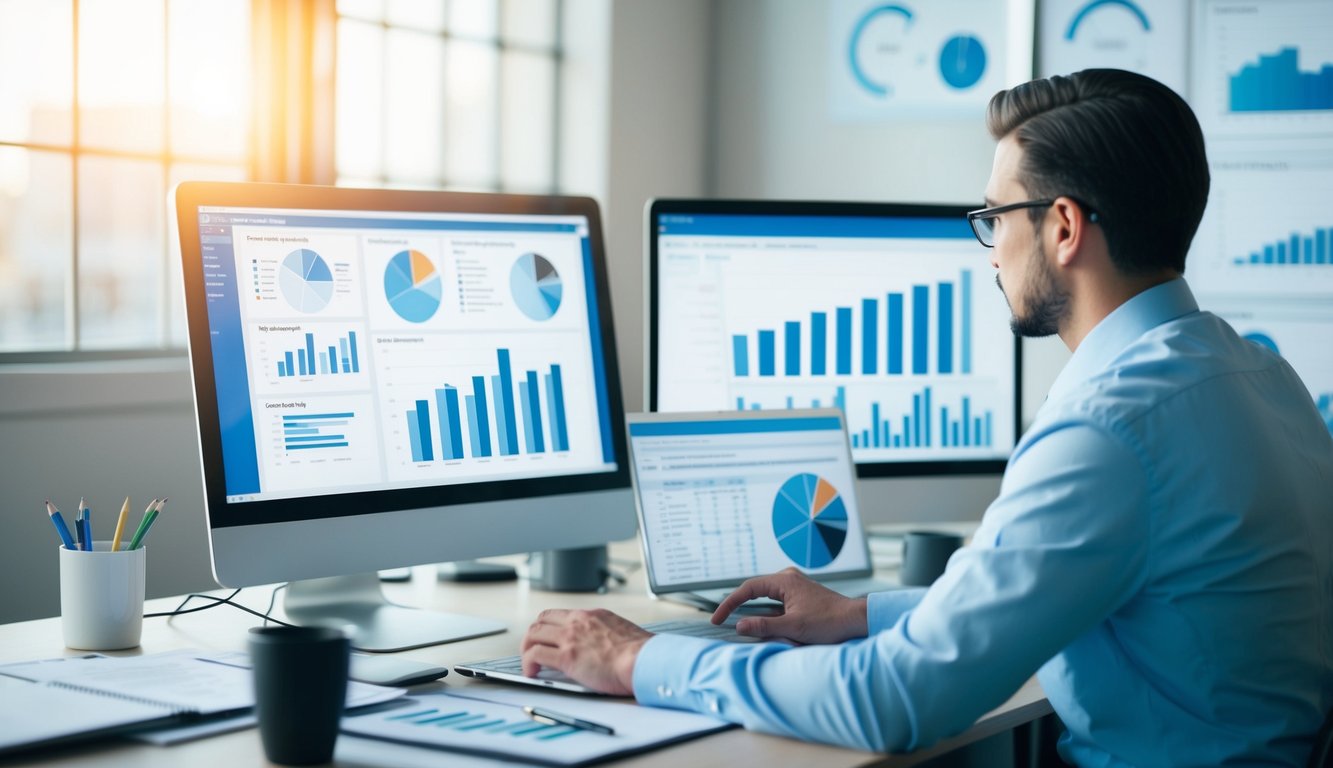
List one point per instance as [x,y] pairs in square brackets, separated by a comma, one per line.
[810,520]
[413,286]
[305,281]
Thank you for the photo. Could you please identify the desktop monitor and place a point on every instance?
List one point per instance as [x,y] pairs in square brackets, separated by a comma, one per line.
[389,378]
[885,311]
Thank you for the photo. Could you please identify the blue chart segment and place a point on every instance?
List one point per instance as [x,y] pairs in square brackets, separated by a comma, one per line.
[536,286]
[413,286]
[809,520]
[533,406]
[305,281]
[931,317]
[1263,340]
[1299,248]
[1094,5]
[1275,83]
[314,431]
[962,61]
[333,359]
[1325,403]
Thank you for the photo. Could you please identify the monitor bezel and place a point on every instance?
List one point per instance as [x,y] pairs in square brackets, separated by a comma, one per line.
[826,208]
[191,196]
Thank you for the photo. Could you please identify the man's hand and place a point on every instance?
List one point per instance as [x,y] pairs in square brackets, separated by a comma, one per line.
[596,648]
[811,612]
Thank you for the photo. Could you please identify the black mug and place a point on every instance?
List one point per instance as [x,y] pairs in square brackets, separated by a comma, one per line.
[925,554]
[300,678]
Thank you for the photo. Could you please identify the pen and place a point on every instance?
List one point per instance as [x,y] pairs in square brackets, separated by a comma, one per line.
[79,532]
[59,523]
[120,525]
[148,519]
[87,526]
[555,718]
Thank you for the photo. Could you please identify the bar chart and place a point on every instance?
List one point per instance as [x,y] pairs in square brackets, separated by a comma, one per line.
[924,330]
[532,406]
[317,359]
[1298,248]
[315,431]
[1275,83]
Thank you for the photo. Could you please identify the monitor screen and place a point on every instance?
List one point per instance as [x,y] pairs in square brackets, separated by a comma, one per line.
[883,311]
[723,498]
[366,358]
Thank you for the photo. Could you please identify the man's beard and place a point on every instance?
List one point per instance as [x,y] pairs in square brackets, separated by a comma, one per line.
[1048,302]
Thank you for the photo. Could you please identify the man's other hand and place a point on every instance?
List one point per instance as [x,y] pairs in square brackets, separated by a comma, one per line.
[596,648]
[811,612]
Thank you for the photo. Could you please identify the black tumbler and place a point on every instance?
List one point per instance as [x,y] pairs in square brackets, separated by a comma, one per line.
[925,555]
[300,687]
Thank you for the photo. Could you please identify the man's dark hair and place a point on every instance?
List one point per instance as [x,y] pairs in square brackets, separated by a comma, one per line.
[1122,144]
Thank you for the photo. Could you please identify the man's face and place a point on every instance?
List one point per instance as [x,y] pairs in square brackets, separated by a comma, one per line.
[1029,283]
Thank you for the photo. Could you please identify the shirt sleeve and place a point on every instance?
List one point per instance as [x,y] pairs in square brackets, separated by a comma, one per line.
[1062,547]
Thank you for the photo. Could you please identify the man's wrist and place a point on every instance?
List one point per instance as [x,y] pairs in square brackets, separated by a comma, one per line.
[858,620]
[629,654]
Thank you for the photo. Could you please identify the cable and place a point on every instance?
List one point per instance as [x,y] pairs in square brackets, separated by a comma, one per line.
[222,601]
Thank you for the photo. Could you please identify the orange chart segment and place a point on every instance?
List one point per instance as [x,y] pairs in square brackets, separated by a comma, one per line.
[825,494]
[422,269]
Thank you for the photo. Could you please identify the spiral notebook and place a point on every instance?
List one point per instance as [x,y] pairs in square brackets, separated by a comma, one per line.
[86,697]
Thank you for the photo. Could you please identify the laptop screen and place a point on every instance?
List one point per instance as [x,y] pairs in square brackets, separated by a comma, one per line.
[726,497]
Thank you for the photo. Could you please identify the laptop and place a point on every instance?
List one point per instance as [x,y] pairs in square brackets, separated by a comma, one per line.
[727,496]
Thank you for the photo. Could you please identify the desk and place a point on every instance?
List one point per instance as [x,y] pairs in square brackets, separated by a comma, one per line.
[224,628]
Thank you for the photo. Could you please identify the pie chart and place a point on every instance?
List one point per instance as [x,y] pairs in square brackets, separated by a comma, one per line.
[413,286]
[305,281]
[809,520]
[536,286]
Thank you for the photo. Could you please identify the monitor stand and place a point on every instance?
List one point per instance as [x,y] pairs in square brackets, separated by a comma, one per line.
[357,605]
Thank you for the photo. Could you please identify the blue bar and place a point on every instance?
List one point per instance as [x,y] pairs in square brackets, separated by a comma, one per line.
[310,352]
[483,418]
[290,431]
[525,407]
[945,362]
[737,426]
[501,428]
[282,369]
[455,425]
[507,400]
[333,360]
[954,426]
[1320,253]
[740,403]
[987,441]
[856,441]
[844,340]
[907,431]
[319,416]
[977,430]
[884,427]
[944,419]
[818,339]
[312,445]
[323,362]
[550,413]
[895,333]
[920,321]
[535,399]
[473,432]
[840,399]
[967,320]
[874,420]
[448,433]
[1295,249]
[766,354]
[740,353]
[916,421]
[897,441]
[925,412]
[792,332]
[869,337]
[301,360]
[291,364]
[346,359]
[967,419]
[559,388]
[351,343]
[791,403]
[1282,253]
[414,432]
[1270,254]
[423,428]
[314,439]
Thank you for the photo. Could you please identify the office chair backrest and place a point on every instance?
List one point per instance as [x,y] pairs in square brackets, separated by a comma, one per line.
[1322,756]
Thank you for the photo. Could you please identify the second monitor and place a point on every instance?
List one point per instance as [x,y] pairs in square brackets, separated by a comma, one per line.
[885,311]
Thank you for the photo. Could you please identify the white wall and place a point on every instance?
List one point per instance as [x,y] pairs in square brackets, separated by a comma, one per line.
[772,137]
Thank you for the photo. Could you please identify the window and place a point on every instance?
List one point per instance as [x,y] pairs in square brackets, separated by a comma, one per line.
[460,94]
[105,104]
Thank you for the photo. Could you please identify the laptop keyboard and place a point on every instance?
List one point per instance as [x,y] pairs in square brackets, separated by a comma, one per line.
[689,627]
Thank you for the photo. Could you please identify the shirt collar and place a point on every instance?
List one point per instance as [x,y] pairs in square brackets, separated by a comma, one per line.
[1121,328]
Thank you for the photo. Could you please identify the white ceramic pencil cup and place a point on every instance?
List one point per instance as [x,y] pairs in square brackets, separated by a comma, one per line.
[101,597]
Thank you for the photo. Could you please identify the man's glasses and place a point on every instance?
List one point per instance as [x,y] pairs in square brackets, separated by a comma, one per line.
[983,221]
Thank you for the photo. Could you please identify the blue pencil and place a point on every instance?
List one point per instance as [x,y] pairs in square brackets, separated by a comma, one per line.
[61,528]
[88,528]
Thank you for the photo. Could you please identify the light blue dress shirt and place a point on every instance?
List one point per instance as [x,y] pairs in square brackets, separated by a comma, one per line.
[1159,554]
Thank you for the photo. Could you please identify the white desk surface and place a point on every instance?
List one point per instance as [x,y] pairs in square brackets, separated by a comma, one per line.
[224,628]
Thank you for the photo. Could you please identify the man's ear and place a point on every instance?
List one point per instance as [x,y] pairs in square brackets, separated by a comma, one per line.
[1070,227]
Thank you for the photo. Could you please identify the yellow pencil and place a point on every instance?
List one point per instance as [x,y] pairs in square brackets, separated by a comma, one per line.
[120,525]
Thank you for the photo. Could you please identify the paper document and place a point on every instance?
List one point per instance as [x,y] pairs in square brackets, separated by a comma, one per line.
[487,720]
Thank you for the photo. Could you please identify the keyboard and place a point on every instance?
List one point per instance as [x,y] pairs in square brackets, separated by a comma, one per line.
[513,665]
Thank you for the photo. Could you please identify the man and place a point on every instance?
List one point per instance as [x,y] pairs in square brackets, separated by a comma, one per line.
[1160,552]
